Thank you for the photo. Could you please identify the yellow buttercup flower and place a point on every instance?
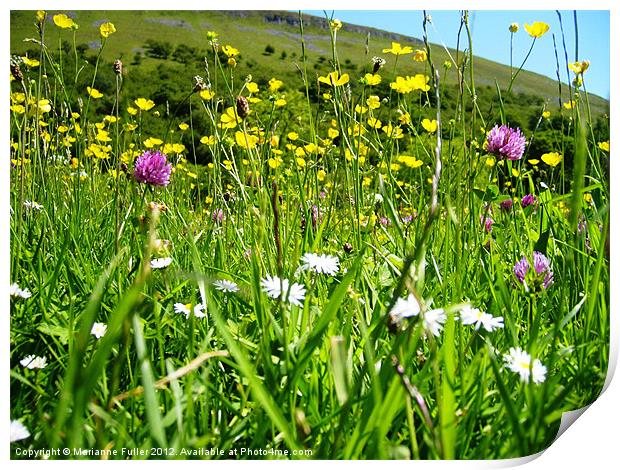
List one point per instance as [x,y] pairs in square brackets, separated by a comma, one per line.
[30,63]
[207,94]
[183,126]
[41,14]
[552,158]
[373,102]
[106,29]
[230,51]
[279,102]
[335,25]
[144,104]
[372,79]
[252,87]
[579,67]
[409,161]
[604,146]
[94,93]
[229,119]
[569,104]
[397,49]
[546,114]
[335,79]
[419,55]
[275,85]
[536,29]
[63,21]
[429,126]
[208,140]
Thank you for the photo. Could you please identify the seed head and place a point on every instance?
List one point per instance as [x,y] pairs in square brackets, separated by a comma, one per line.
[243,107]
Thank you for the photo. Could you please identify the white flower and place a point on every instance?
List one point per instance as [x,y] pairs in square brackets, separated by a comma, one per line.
[520,362]
[159,263]
[277,288]
[34,362]
[199,311]
[32,205]
[16,291]
[225,285]
[434,320]
[321,264]
[18,431]
[98,329]
[378,198]
[182,308]
[476,317]
[186,309]
[404,308]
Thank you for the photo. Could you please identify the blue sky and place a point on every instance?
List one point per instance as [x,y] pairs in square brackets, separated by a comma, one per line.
[492,40]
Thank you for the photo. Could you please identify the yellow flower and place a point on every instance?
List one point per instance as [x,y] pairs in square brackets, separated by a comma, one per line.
[374,123]
[292,136]
[30,63]
[131,110]
[18,109]
[183,126]
[246,141]
[207,94]
[429,126]
[536,29]
[280,102]
[411,162]
[252,87]
[404,118]
[372,79]
[397,49]
[275,85]
[551,159]
[211,35]
[513,28]
[63,21]
[208,140]
[94,93]
[373,102]
[229,119]
[232,62]
[300,162]
[490,161]
[408,84]
[274,162]
[230,51]
[419,55]
[106,29]
[393,132]
[144,104]
[174,148]
[152,142]
[41,14]
[546,114]
[335,25]
[534,162]
[579,67]
[332,133]
[320,175]
[604,146]
[335,79]
[360,109]
[44,106]
[569,104]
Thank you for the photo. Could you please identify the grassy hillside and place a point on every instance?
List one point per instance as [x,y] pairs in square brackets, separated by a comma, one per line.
[254,31]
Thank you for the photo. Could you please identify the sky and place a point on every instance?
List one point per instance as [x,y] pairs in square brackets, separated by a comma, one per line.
[491,38]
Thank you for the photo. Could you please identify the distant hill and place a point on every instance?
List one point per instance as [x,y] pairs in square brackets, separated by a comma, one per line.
[269,42]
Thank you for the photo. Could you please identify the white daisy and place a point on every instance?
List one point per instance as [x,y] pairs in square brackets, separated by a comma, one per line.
[18,431]
[182,308]
[159,263]
[98,329]
[476,317]
[433,320]
[225,285]
[199,311]
[277,288]
[16,291]
[32,205]
[321,264]
[404,308]
[34,362]
[520,362]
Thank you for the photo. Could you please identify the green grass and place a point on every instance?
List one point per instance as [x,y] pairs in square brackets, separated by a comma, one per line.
[339,375]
